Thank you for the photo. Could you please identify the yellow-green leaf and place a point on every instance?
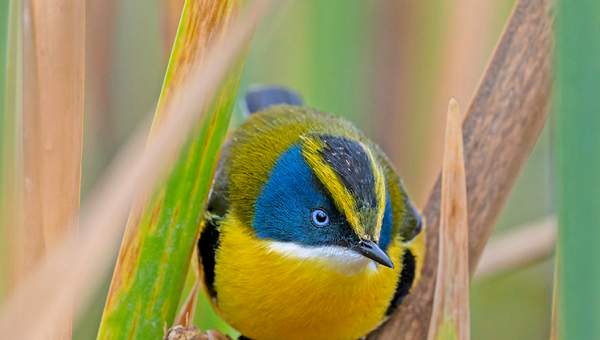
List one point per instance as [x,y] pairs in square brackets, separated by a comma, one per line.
[162,229]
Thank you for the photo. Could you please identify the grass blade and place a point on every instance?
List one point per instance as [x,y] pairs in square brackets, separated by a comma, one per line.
[54,133]
[578,165]
[27,240]
[450,317]
[53,126]
[82,258]
[162,230]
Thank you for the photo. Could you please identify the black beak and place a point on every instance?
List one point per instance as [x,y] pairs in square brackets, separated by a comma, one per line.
[371,250]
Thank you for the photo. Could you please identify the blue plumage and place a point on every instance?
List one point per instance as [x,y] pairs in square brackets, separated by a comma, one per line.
[283,208]
[386,225]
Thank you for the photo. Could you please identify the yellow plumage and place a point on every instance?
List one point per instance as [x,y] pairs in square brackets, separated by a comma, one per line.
[282,289]
[317,301]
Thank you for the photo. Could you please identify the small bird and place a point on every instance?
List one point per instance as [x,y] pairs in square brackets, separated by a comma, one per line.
[309,233]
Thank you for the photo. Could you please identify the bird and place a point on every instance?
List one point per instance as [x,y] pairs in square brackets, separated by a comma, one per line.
[308,231]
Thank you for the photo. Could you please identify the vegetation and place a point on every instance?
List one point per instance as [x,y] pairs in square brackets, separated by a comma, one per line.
[578,164]
[160,238]
[388,66]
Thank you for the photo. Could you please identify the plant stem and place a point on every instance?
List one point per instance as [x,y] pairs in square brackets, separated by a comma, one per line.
[450,316]
[81,259]
[501,126]
[164,222]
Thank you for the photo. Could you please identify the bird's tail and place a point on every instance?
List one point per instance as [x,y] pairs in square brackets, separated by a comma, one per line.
[259,98]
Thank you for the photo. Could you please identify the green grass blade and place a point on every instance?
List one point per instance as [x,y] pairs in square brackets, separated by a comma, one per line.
[578,160]
[161,232]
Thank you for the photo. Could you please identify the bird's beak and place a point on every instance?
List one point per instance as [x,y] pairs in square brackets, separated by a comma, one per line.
[371,250]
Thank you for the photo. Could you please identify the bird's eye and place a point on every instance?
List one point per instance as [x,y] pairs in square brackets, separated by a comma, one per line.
[319,218]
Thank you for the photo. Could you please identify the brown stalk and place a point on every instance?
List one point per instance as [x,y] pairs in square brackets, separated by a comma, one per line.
[501,126]
[77,265]
[55,142]
[52,135]
[527,244]
[26,241]
[450,316]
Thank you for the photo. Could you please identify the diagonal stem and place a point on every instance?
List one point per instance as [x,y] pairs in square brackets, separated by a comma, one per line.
[502,124]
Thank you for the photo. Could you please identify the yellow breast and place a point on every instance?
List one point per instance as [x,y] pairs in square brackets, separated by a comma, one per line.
[267,295]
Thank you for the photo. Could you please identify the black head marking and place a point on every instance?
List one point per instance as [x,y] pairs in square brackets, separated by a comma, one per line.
[352,164]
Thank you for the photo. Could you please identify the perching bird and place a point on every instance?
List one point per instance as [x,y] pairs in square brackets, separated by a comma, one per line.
[309,233]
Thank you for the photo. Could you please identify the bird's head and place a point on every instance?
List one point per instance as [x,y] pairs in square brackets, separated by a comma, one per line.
[326,196]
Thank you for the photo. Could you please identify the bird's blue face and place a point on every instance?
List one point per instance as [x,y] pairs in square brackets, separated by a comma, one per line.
[295,207]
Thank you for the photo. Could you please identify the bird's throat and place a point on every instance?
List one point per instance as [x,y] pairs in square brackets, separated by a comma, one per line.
[341,259]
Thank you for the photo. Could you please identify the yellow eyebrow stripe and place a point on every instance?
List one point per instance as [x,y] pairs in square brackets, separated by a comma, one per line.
[343,199]
[379,190]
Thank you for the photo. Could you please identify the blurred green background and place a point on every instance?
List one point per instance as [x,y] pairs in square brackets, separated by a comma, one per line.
[389,66]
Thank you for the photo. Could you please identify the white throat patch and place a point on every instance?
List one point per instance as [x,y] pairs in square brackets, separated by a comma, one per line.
[342,259]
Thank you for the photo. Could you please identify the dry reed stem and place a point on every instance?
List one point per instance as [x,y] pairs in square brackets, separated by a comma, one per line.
[75,267]
[526,244]
[52,134]
[55,150]
[501,126]
[26,242]
[450,316]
